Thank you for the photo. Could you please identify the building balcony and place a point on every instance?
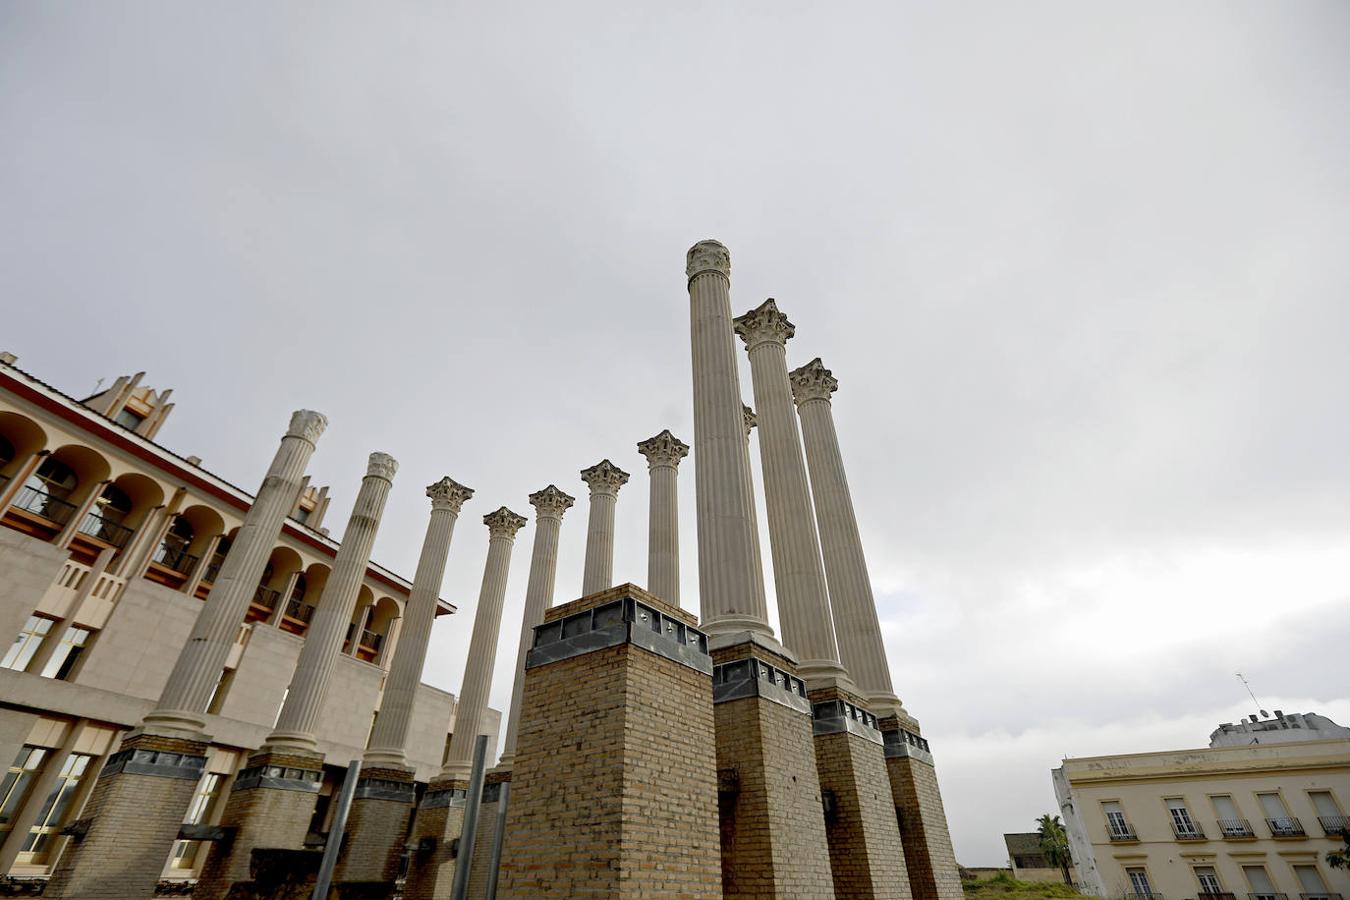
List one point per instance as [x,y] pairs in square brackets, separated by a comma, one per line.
[175,558]
[105,530]
[1286,827]
[1215,895]
[37,502]
[213,568]
[264,603]
[1236,830]
[299,610]
[1267,897]
[1319,897]
[1335,826]
[1194,833]
[1123,834]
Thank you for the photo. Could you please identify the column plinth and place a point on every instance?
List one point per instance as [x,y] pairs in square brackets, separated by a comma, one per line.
[604,479]
[663,453]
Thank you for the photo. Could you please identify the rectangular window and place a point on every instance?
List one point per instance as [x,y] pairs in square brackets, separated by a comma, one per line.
[1324,803]
[1116,824]
[1182,824]
[67,653]
[185,853]
[1139,882]
[56,809]
[1281,824]
[1209,880]
[18,782]
[1262,888]
[1314,888]
[21,652]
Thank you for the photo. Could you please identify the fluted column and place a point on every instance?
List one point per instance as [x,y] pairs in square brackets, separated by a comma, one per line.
[549,506]
[861,648]
[664,453]
[323,640]
[604,479]
[182,705]
[730,576]
[799,575]
[487,621]
[389,738]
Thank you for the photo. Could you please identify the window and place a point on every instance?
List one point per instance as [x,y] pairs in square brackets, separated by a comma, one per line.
[67,653]
[128,419]
[21,652]
[58,806]
[1262,888]
[1277,817]
[1182,825]
[1231,823]
[1139,882]
[1118,828]
[203,803]
[301,515]
[18,782]
[54,478]
[1209,880]
[1314,888]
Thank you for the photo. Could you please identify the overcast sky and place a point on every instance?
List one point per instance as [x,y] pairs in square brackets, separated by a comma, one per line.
[1083,273]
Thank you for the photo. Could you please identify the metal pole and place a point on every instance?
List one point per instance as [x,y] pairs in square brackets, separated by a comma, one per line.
[471,805]
[491,890]
[334,842]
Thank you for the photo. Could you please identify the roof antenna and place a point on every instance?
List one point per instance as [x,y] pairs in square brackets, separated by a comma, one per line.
[98,386]
[1243,679]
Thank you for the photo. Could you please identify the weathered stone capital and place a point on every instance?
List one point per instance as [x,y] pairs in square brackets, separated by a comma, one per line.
[764,324]
[604,477]
[812,382]
[382,465]
[708,256]
[551,502]
[503,523]
[448,494]
[665,449]
[307,425]
[749,418]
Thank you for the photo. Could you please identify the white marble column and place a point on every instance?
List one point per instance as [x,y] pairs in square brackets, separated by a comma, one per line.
[388,742]
[664,452]
[604,479]
[799,575]
[487,621]
[730,576]
[294,730]
[861,648]
[549,506]
[182,705]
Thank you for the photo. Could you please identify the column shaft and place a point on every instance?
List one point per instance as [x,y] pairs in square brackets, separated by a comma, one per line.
[598,572]
[731,582]
[323,641]
[182,704]
[663,535]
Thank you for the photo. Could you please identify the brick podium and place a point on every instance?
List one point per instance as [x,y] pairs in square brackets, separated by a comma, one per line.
[929,856]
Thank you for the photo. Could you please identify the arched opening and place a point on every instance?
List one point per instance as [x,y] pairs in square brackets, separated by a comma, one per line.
[20,438]
[53,493]
[304,598]
[374,639]
[281,565]
[188,537]
[119,511]
[365,599]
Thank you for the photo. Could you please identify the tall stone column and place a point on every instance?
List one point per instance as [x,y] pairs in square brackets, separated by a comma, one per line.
[145,787]
[549,505]
[182,705]
[294,730]
[604,479]
[389,738]
[502,527]
[799,575]
[664,452]
[731,582]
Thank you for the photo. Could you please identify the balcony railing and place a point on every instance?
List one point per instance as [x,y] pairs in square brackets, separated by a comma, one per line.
[213,568]
[297,609]
[105,530]
[1216,895]
[1193,833]
[1319,897]
[1335,826]
[1267,897]
[1122,833]
[266,598]
[371,640]
[1285,826]
[175,557]
[40,503]
[1236,829]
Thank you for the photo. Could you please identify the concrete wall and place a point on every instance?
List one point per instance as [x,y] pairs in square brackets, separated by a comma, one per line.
[29,566]
[136,650]
[259,683]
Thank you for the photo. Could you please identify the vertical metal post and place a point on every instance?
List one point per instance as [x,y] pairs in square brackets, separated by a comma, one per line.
[334,843]
[500,835]
[460,890]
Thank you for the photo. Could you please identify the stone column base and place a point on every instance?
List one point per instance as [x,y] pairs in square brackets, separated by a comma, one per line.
[269,808]
[133,816]
[377,827]
[436,829]
[929,857]
[866,856]
[772,827]
[481,863]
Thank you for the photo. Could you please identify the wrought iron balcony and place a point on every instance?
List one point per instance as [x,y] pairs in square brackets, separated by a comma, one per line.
[1285,827]
[1120,833]
[105,529]
[1236,829]
[1194,833]
[175,557]
[1267,897]
[266,598]
[1319,896]
[1335,826]
[40,503]
[1216,895]
[297,609]
[213,568]
[371,640]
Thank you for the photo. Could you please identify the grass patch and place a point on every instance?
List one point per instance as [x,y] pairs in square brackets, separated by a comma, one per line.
[1005,887]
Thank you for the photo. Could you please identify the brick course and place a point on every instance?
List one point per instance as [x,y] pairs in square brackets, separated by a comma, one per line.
[431,874]
[933,874]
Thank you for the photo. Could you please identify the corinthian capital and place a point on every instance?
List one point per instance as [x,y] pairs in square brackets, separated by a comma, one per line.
[307,425]
[749,418]
[663,450]
[604,477]
[764,324]
[551,502]
[812,382]
[448,494]
[382,465]
[503,523]
[707,256]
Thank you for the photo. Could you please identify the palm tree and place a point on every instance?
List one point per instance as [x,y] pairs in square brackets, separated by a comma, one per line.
[1055,843]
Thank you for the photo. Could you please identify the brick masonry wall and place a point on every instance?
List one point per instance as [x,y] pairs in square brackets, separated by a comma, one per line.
[933,874]
[373,841]
[431,875]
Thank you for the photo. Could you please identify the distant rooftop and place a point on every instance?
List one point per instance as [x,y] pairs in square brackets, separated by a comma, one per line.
[1281,729]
